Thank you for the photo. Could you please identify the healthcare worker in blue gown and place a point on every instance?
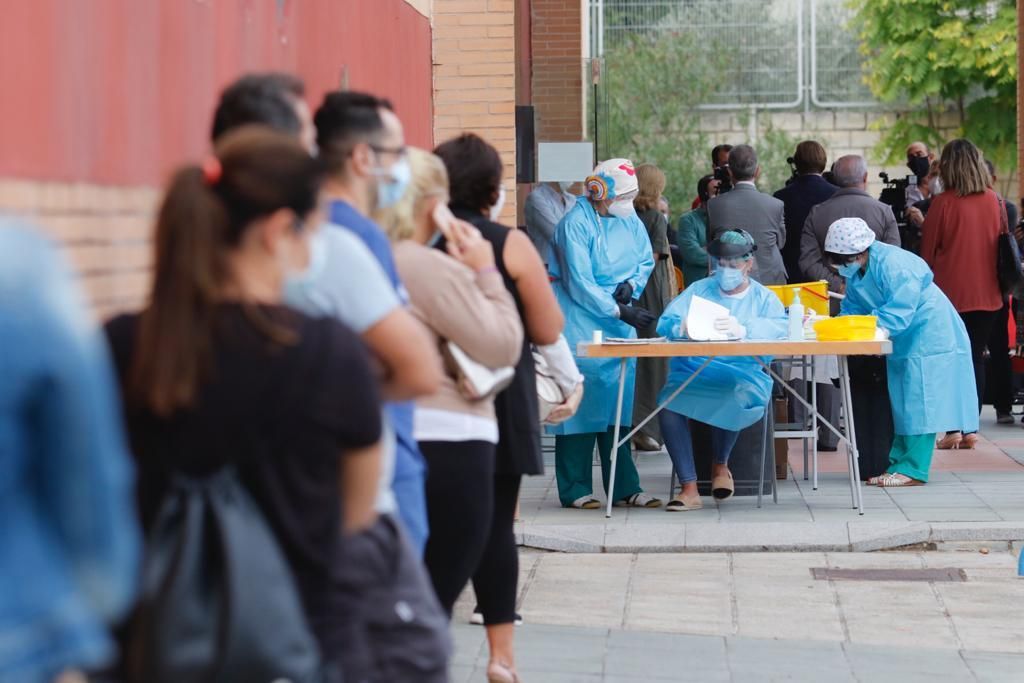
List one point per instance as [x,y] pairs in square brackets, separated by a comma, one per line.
[730,394]
[931,375]
[602,258]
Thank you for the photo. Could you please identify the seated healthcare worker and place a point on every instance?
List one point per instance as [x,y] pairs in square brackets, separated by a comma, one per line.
[931,375]
[601,260]
[730,394]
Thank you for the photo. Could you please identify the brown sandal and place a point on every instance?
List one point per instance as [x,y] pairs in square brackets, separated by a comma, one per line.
[722,486]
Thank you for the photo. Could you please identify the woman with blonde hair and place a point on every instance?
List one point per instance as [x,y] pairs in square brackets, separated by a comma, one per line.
[651,373]
[462,298]
[959,241]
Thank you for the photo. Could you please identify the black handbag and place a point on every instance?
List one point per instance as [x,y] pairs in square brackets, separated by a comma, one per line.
[1008,260]
[218,601]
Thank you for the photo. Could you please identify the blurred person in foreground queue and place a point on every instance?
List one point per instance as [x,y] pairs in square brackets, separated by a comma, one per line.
[747,208]
[460,295]
[929,371]
[959,242]
[475,176]
[730,394]
[660,288]
[67,515]
[418,219]
[351,285]
[808,189]
[602,261]
[362,146]
[217,374]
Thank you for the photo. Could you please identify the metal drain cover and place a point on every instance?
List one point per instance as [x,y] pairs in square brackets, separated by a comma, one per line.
[932,574]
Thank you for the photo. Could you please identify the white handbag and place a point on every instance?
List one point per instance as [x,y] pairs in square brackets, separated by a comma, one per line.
[475,381]
[549,394]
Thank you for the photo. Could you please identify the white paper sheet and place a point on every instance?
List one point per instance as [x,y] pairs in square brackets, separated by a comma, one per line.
[700,320]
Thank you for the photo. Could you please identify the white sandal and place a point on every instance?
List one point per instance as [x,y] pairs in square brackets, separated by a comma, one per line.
[586,503]
[896,480]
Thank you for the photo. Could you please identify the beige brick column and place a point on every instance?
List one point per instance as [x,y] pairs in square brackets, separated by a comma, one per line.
[474,78]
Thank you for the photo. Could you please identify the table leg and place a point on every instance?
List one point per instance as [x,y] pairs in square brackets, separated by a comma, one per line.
[814,428]
[803,367]
[854,464]
[615,437]
[764,452]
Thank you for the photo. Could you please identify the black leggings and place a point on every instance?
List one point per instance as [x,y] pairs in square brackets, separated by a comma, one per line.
[979,328]
[496,579]
[460,511]
[1000,373]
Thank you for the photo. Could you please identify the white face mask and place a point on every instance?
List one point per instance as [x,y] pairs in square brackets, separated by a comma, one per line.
[564,185]
[622,209]
[495,211]
[935,185]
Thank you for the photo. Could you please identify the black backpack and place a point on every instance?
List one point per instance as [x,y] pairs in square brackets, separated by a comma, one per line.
[218,601]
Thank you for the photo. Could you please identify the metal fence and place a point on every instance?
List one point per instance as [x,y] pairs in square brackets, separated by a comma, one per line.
[771,54]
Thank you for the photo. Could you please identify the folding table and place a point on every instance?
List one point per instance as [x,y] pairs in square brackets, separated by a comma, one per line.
[754,349]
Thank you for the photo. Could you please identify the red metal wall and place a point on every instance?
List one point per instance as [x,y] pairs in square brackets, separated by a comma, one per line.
[120,91]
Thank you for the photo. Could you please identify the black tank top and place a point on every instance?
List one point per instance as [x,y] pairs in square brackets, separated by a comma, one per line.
[516,408]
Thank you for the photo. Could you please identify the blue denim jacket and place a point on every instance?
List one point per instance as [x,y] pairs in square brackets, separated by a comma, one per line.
[69,544]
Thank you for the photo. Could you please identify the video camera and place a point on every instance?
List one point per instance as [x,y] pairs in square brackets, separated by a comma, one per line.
[894,193]
[723,178]
[792,170]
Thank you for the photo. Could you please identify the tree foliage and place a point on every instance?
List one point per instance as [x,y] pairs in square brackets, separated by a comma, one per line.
[946,61]
[651,87]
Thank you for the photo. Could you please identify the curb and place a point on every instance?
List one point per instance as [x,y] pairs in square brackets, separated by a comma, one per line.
[760,537]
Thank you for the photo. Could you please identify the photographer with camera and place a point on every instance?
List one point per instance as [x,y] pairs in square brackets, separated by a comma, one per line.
[805,190]
[759,214]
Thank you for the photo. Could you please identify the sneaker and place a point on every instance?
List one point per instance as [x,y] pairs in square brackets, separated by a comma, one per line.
[1004,419]
[477,618]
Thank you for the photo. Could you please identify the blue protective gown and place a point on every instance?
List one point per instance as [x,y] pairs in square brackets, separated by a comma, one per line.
[592,254]
[730,393]
[931,376]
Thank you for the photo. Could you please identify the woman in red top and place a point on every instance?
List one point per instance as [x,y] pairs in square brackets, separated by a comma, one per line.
[959,241]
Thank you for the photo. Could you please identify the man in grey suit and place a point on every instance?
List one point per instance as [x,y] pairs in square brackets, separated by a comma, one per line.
[759,214]
[851,201]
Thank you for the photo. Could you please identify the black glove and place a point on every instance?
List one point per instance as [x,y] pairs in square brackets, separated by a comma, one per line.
[623,293]
[640,318]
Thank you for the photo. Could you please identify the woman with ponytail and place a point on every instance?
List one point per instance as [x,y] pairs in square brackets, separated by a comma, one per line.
[216,372]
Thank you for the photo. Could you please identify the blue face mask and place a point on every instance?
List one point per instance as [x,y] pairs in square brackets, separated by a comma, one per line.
[848,270]
[729,278]
[393,183]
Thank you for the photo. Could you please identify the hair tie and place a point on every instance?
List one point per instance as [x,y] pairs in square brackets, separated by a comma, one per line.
[597,188]
[212,170]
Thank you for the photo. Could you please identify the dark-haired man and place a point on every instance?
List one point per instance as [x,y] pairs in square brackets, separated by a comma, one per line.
[808,189]
[352,285]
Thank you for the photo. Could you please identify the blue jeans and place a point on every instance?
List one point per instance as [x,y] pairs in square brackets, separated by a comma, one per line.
[675,428]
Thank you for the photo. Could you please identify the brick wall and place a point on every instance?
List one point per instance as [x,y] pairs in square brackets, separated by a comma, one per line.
[557,70]
[474,78]
[104,231]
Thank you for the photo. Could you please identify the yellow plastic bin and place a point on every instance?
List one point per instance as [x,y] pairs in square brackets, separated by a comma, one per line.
[813,295]
[847,328]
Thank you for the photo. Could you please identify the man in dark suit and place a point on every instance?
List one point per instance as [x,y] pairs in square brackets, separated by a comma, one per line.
[759,214]
[806,190]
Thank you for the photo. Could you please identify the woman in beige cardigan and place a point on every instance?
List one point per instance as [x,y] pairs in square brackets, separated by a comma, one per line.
[460,297]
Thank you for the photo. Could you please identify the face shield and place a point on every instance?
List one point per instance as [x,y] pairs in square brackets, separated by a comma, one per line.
[732,259]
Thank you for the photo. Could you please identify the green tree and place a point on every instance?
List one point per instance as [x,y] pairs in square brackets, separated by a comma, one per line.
[941,57]
[647,110]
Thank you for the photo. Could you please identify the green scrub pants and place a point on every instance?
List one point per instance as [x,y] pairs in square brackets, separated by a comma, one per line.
[574,466]
[911,456]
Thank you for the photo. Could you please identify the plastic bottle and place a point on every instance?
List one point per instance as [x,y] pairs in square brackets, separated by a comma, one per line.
[796,317]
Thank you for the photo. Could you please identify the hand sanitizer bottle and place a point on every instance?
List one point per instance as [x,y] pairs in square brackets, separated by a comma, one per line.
[796,317]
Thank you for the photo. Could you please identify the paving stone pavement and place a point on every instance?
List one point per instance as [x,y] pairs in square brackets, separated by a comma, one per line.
[757,617]
[972,495]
